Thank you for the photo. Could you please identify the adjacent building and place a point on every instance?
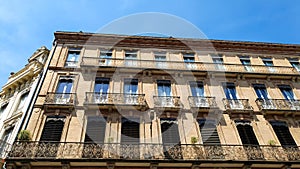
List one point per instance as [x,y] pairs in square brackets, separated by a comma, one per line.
[114,101]
[16,99]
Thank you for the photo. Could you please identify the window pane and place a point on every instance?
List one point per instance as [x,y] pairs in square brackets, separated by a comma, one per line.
[229,90]
[101,85]
[22,101]
[197,88]
[164,88]
[287,92]
[131,86]
[64,86]
[261,91]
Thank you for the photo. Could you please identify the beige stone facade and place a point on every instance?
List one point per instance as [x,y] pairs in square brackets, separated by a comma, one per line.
[135,90]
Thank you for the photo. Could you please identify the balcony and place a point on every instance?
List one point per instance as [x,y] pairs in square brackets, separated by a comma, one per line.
[167,102]
[161,152]
[190,66]
[202,102]
[115,99]
[278,104]
[237,105]
[60,101]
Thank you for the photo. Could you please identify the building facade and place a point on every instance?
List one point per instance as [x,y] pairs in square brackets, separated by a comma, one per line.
[112,101]
[16,97]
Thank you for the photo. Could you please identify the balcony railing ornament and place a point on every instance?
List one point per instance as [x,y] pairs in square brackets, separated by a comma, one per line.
[74,150]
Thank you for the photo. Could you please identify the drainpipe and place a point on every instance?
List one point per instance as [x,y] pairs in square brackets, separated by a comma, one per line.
[39,84]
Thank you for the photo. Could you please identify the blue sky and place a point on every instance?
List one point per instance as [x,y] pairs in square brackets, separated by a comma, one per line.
[27,25]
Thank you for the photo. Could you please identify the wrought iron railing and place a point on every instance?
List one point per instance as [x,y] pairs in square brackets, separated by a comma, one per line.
[197,66]
[237,104]
[77,150]
[167,101]
[202,102]
[278,104]
[115,98]
[4,148]
[61,98]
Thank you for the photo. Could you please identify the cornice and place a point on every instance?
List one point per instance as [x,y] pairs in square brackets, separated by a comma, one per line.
[80,38]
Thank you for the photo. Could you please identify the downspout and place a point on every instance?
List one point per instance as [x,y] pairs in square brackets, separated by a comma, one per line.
[38,89]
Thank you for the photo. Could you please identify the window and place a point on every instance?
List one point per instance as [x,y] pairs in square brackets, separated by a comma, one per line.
[130,134]
[230,92]
[231,96]
[295,63]
[164,93]
[283,133]
[101,90]
[105,57]
[22,101]
[208,131]
[3,108]
[4,143]
[131,58]
[263,96]
[261,91]
[130,131]
[63,90]
[170,136]
[288,94]
[197,88]
[269,63]
[72,59]
[245,60]
[169,131]
[131,91]
[53,128]
[218,60]
[160,60]
[189,60]
[95,129]
[164,88]
[198,94]
[246,132]
[64,85]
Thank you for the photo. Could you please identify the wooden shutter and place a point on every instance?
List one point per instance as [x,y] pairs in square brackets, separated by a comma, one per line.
[53,128]
[130,131]
[208,131]
[95,129]
[246,132]
[283,133]
[169,131]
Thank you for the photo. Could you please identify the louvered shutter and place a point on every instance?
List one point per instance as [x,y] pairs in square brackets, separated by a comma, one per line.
[283,134]
[95,129]
[209,132]
[53,128]
[246,133]
[169,130]
[130,131]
